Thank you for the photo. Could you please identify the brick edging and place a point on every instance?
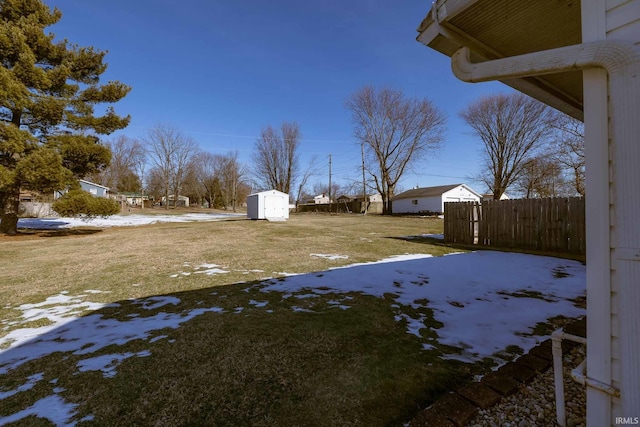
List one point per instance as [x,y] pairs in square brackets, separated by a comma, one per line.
[457,408]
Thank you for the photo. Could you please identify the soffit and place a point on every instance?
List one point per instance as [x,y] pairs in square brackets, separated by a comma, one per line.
[502,28]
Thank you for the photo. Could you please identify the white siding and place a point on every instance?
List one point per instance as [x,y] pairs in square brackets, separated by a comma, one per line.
[459,194]
[435,203]
[268,204]
[623,20]
[417,205]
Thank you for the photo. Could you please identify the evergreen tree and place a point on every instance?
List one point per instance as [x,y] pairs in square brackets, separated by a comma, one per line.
[48,91]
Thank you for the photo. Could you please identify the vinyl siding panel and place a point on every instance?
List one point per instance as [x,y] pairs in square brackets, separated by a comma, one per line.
[424,204]
[623,20]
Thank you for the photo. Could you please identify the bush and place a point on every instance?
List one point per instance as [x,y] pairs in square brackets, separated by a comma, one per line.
[79,202]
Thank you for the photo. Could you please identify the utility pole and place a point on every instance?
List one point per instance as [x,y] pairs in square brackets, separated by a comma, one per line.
[329,182]
[364,184]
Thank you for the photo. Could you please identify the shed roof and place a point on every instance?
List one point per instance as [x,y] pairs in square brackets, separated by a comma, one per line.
[270,192]
[428,191]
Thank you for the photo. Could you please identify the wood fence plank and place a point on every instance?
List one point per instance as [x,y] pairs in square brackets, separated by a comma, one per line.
[554,224]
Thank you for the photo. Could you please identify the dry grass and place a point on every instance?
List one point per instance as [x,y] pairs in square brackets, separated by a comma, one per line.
[116,258]
[254,367]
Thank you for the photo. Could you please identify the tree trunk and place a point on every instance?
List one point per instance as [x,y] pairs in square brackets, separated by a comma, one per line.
[386,204]
[9,202]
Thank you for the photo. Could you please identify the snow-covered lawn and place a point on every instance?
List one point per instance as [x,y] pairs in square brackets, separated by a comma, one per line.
[484,300]
[119,220]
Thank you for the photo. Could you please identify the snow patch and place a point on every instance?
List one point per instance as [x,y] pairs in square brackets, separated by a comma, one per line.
[118,220]
[152,303]
[32,380]
[108,363]
[53,408]
[485,300]
[329,256]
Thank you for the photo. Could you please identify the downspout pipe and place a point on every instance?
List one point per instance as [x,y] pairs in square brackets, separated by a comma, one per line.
[621,60]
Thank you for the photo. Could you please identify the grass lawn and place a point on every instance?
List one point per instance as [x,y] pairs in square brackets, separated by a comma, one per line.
[221,351]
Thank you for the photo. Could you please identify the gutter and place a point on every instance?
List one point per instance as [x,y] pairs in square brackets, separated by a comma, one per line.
[621,60]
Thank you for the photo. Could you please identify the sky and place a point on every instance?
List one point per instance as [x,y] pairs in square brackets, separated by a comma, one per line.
[474,295]
[222,71]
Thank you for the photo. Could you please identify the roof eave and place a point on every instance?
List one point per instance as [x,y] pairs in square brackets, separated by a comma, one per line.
[437,33]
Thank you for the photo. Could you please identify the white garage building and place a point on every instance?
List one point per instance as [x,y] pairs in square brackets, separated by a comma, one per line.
[432,199]
[272,205]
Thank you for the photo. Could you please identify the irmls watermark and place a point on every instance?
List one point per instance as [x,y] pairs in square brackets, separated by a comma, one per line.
[628,421]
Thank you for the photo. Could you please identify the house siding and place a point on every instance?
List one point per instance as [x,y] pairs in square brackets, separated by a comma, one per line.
[622,23]
[623,20]
[424,204]
[619,20]
[459,194]
[434,203]
[93,189]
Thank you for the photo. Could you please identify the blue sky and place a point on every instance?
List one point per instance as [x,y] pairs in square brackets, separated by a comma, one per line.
[219,71]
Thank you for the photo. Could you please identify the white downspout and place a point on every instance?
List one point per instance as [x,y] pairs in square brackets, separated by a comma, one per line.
[621,60]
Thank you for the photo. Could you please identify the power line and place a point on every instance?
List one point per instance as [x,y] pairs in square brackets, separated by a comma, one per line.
[228,135]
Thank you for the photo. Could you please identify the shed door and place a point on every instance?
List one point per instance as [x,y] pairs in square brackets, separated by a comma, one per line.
[272,207]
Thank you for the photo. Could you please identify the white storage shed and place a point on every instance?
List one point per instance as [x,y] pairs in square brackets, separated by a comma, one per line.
[432,199]
[272,204]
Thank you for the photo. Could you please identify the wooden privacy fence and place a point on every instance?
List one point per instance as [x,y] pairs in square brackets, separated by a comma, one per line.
[553,225]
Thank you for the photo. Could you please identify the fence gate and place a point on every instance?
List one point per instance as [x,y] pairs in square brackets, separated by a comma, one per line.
[461,222]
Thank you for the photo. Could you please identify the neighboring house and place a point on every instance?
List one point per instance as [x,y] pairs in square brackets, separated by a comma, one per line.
[135,199]
[88,186]
[94,189]
[183,201]
[371,198]
[320,199]
[582,58]
[489,196]
[27,196]
[271,205]
[432,199]
[35,205]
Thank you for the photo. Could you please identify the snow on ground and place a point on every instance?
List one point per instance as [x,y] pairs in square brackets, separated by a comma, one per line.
[331,257]
[485,300]
[152,303]
[53,408]
[118,220]
[32,380]
[107,363]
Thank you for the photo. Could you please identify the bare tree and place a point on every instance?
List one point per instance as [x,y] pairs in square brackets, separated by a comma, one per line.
[396,132]
[308,173]
[511,128]
[207,168]
[541,177]
[191,185]
[569,150]
[155,184]
[232,174]
[276,159]
[170,152]
[123,173]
